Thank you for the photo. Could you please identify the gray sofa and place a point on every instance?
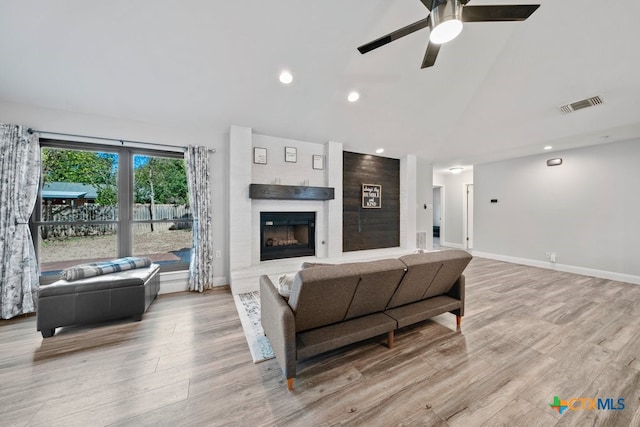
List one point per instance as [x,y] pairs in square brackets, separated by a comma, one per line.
[97,299]
[332,306]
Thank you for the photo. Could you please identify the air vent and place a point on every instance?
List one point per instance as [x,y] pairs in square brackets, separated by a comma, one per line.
[579,105]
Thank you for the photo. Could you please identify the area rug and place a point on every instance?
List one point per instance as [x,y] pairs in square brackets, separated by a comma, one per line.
[248,306]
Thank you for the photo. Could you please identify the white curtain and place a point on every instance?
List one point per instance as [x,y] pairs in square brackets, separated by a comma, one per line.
[19,180]
[198,177]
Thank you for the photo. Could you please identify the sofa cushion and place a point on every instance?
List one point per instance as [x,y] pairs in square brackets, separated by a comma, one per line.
[378,282]
[362,288]
[429,274]
[322,295]
[449,272]
[423,310]
[316,341]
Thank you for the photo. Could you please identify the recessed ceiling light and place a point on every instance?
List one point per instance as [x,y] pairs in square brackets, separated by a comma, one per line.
[456,169]
[286,77]
[548,147]
[353,96]
[380,150]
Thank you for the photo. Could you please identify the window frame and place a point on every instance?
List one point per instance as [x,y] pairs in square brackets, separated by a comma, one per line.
[126,202]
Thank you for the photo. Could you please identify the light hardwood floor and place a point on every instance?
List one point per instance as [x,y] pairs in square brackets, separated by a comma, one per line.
[528,335]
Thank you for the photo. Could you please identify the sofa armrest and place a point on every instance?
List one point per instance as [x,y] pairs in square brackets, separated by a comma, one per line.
[279,326]
[457,292]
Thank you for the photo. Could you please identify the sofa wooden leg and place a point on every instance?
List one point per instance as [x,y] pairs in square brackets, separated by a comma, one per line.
[290,384]
[458,322]
[390,337]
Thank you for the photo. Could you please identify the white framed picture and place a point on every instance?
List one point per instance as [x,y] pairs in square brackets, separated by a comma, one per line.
[290,154]
[318,161]
[260,155]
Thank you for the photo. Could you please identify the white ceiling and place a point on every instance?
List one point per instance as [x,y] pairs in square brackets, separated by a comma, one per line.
[493,93]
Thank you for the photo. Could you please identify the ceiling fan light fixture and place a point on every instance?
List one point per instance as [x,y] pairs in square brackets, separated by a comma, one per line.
[446,31]
[446,22]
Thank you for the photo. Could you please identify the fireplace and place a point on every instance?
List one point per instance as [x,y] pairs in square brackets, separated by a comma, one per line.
[287,235]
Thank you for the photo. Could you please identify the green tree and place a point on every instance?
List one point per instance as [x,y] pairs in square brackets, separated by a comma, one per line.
[85,167]
[161,180]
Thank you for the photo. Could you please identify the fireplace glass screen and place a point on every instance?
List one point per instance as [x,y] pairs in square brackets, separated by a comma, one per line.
[287,234]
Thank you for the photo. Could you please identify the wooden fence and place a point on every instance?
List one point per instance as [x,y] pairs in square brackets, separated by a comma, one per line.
[181,214]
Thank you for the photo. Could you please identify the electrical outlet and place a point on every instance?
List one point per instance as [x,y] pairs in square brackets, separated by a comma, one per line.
[218,254]
[552,257]
[548,254]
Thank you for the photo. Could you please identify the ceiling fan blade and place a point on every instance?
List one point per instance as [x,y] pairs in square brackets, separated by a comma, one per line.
[430,55]
[428,4]
[514,12]
[423,23]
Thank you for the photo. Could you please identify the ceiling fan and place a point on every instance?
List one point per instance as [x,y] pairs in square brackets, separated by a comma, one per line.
[445,21]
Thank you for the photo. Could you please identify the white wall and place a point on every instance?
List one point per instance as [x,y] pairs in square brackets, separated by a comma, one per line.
[239,207]
[437,208]
[288,173]
[454,195]
[424,196]
[335,169]
[408,184]
[585,210]
[177,135]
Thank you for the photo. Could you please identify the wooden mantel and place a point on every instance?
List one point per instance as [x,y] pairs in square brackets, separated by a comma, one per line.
[290,192]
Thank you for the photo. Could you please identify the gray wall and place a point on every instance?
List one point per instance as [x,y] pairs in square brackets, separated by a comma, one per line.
[585,210]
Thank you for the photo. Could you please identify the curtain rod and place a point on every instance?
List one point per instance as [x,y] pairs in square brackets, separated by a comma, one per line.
[122,141]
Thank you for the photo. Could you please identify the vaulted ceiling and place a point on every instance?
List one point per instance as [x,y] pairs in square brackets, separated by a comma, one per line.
[494,92]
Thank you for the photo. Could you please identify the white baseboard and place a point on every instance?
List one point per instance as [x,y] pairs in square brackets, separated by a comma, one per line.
[220,281]
[602,274]
[178,281]
[452,245]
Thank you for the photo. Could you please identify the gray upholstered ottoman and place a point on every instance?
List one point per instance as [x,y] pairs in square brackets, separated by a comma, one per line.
[97,299]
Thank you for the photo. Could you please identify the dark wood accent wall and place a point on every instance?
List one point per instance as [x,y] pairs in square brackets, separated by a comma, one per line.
[370,228]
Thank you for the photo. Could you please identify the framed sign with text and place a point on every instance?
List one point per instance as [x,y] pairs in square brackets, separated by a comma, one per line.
[371,196]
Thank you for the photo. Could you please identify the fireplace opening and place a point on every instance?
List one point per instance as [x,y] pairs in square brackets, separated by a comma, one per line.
[287,235]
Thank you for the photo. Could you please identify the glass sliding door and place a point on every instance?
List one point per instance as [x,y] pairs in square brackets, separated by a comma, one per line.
[78,208]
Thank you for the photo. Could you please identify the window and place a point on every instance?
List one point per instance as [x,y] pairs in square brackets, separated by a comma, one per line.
[103,202]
